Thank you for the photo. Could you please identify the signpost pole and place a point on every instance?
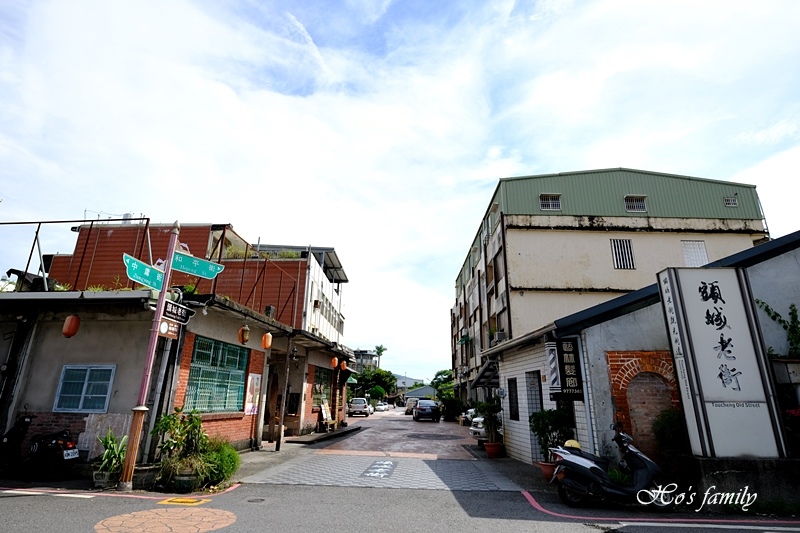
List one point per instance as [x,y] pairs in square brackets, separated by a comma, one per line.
[126,478]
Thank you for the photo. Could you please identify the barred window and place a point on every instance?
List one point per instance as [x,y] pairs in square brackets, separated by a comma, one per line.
[550,202]
[622,252]
[636,204]
[694,253]
[84,388]
[216,377]
[322,386]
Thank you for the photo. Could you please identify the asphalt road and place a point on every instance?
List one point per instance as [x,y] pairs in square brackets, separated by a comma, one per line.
[393,474]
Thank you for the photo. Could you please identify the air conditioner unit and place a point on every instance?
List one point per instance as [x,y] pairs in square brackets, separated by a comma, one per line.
[500,336]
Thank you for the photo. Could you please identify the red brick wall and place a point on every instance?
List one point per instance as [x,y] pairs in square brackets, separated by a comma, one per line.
[238,428]
[649,397]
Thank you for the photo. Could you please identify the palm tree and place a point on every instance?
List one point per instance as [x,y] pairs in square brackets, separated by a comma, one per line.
[379,349]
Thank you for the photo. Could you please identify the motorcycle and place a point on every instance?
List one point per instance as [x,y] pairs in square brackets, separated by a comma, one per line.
[582,477]
[52,453]
[11,443]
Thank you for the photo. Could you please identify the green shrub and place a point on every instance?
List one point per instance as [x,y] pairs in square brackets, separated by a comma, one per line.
[223,460]
[669,428]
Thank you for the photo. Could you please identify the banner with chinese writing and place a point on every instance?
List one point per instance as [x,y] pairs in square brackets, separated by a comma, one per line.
[564,371]
[720,366]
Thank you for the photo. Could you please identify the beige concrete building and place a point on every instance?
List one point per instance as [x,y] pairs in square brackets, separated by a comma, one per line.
[551,245]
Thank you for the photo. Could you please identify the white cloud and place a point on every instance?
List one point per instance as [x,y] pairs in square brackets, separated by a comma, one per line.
[380,128]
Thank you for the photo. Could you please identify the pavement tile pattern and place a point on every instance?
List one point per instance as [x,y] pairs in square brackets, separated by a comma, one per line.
[409,473]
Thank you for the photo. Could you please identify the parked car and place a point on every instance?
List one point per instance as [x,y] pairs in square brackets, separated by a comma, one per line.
[358,406]
[477,430]
[427,409]
[410,404]
[381,406]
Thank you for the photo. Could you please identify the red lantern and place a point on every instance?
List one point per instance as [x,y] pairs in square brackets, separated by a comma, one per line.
[266,340]
[71,325]
[334,362]
[244,334]
[343,365]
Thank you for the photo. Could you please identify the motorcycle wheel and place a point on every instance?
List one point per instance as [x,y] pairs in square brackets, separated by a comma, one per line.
[571,498]
[658,505]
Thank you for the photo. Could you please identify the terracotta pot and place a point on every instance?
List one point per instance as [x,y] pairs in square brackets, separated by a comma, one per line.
[494,449]
[548,469]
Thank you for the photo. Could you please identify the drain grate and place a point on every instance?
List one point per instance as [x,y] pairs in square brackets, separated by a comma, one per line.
[433,436]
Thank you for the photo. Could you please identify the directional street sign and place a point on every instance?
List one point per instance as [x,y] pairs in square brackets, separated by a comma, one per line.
[143,273]
[195,266]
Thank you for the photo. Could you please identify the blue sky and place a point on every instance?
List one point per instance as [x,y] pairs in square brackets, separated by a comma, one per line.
[380,128]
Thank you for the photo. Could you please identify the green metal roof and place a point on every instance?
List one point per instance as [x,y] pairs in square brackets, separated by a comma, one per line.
[602,193]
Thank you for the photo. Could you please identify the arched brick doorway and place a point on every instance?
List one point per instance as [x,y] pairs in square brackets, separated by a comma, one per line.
[648,395]
[653,381]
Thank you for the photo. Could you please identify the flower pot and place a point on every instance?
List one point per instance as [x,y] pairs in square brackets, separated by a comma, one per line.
[548,469]
[184,482]
[494,449]
[105,480]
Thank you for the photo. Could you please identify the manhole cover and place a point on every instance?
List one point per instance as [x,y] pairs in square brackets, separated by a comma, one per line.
[432,436]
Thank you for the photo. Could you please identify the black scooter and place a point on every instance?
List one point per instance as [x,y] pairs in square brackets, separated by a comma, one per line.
[582,477]
[51,455]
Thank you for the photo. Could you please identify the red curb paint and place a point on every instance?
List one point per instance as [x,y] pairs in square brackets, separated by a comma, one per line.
[536,505]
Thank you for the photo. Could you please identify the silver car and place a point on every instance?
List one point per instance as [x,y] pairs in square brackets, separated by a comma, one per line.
[358,406]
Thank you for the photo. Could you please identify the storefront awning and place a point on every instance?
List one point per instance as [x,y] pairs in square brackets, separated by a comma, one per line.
[487,376]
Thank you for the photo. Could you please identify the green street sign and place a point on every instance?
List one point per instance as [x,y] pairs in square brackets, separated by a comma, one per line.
[195,266]
[141,272]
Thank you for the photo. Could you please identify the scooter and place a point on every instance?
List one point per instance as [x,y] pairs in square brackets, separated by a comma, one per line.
[582,477]
[11,442]
[51,454]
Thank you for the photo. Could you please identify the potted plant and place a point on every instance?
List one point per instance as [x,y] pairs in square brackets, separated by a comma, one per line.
[551,429]
[111,461]
[492,422]
[182,450]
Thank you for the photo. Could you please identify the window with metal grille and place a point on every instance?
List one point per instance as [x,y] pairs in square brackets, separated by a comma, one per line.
[694,253]
[550,202]
[84,388]
[322,386]
[622,251]
[731,201]
[636,204]
[513,399]
[216,377]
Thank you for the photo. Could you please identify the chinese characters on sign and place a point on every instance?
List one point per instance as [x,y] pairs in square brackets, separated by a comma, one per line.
[564,369]
[720,367]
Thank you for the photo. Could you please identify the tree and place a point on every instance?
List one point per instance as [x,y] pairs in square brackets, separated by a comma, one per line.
[377,392]
[379,349]
[378,377]
[442,382]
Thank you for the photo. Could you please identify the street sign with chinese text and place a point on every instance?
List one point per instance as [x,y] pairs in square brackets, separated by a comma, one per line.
[177,312]
[141,272]
[168,328]
[195,266]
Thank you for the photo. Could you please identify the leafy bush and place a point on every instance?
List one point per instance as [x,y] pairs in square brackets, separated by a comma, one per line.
[669,428]
[453,407]
[223,460]
[551,427]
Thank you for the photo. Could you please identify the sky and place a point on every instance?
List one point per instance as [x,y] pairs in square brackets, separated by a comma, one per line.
[379,128]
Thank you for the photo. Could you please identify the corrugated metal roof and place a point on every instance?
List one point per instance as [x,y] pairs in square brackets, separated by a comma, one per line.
[602,193]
